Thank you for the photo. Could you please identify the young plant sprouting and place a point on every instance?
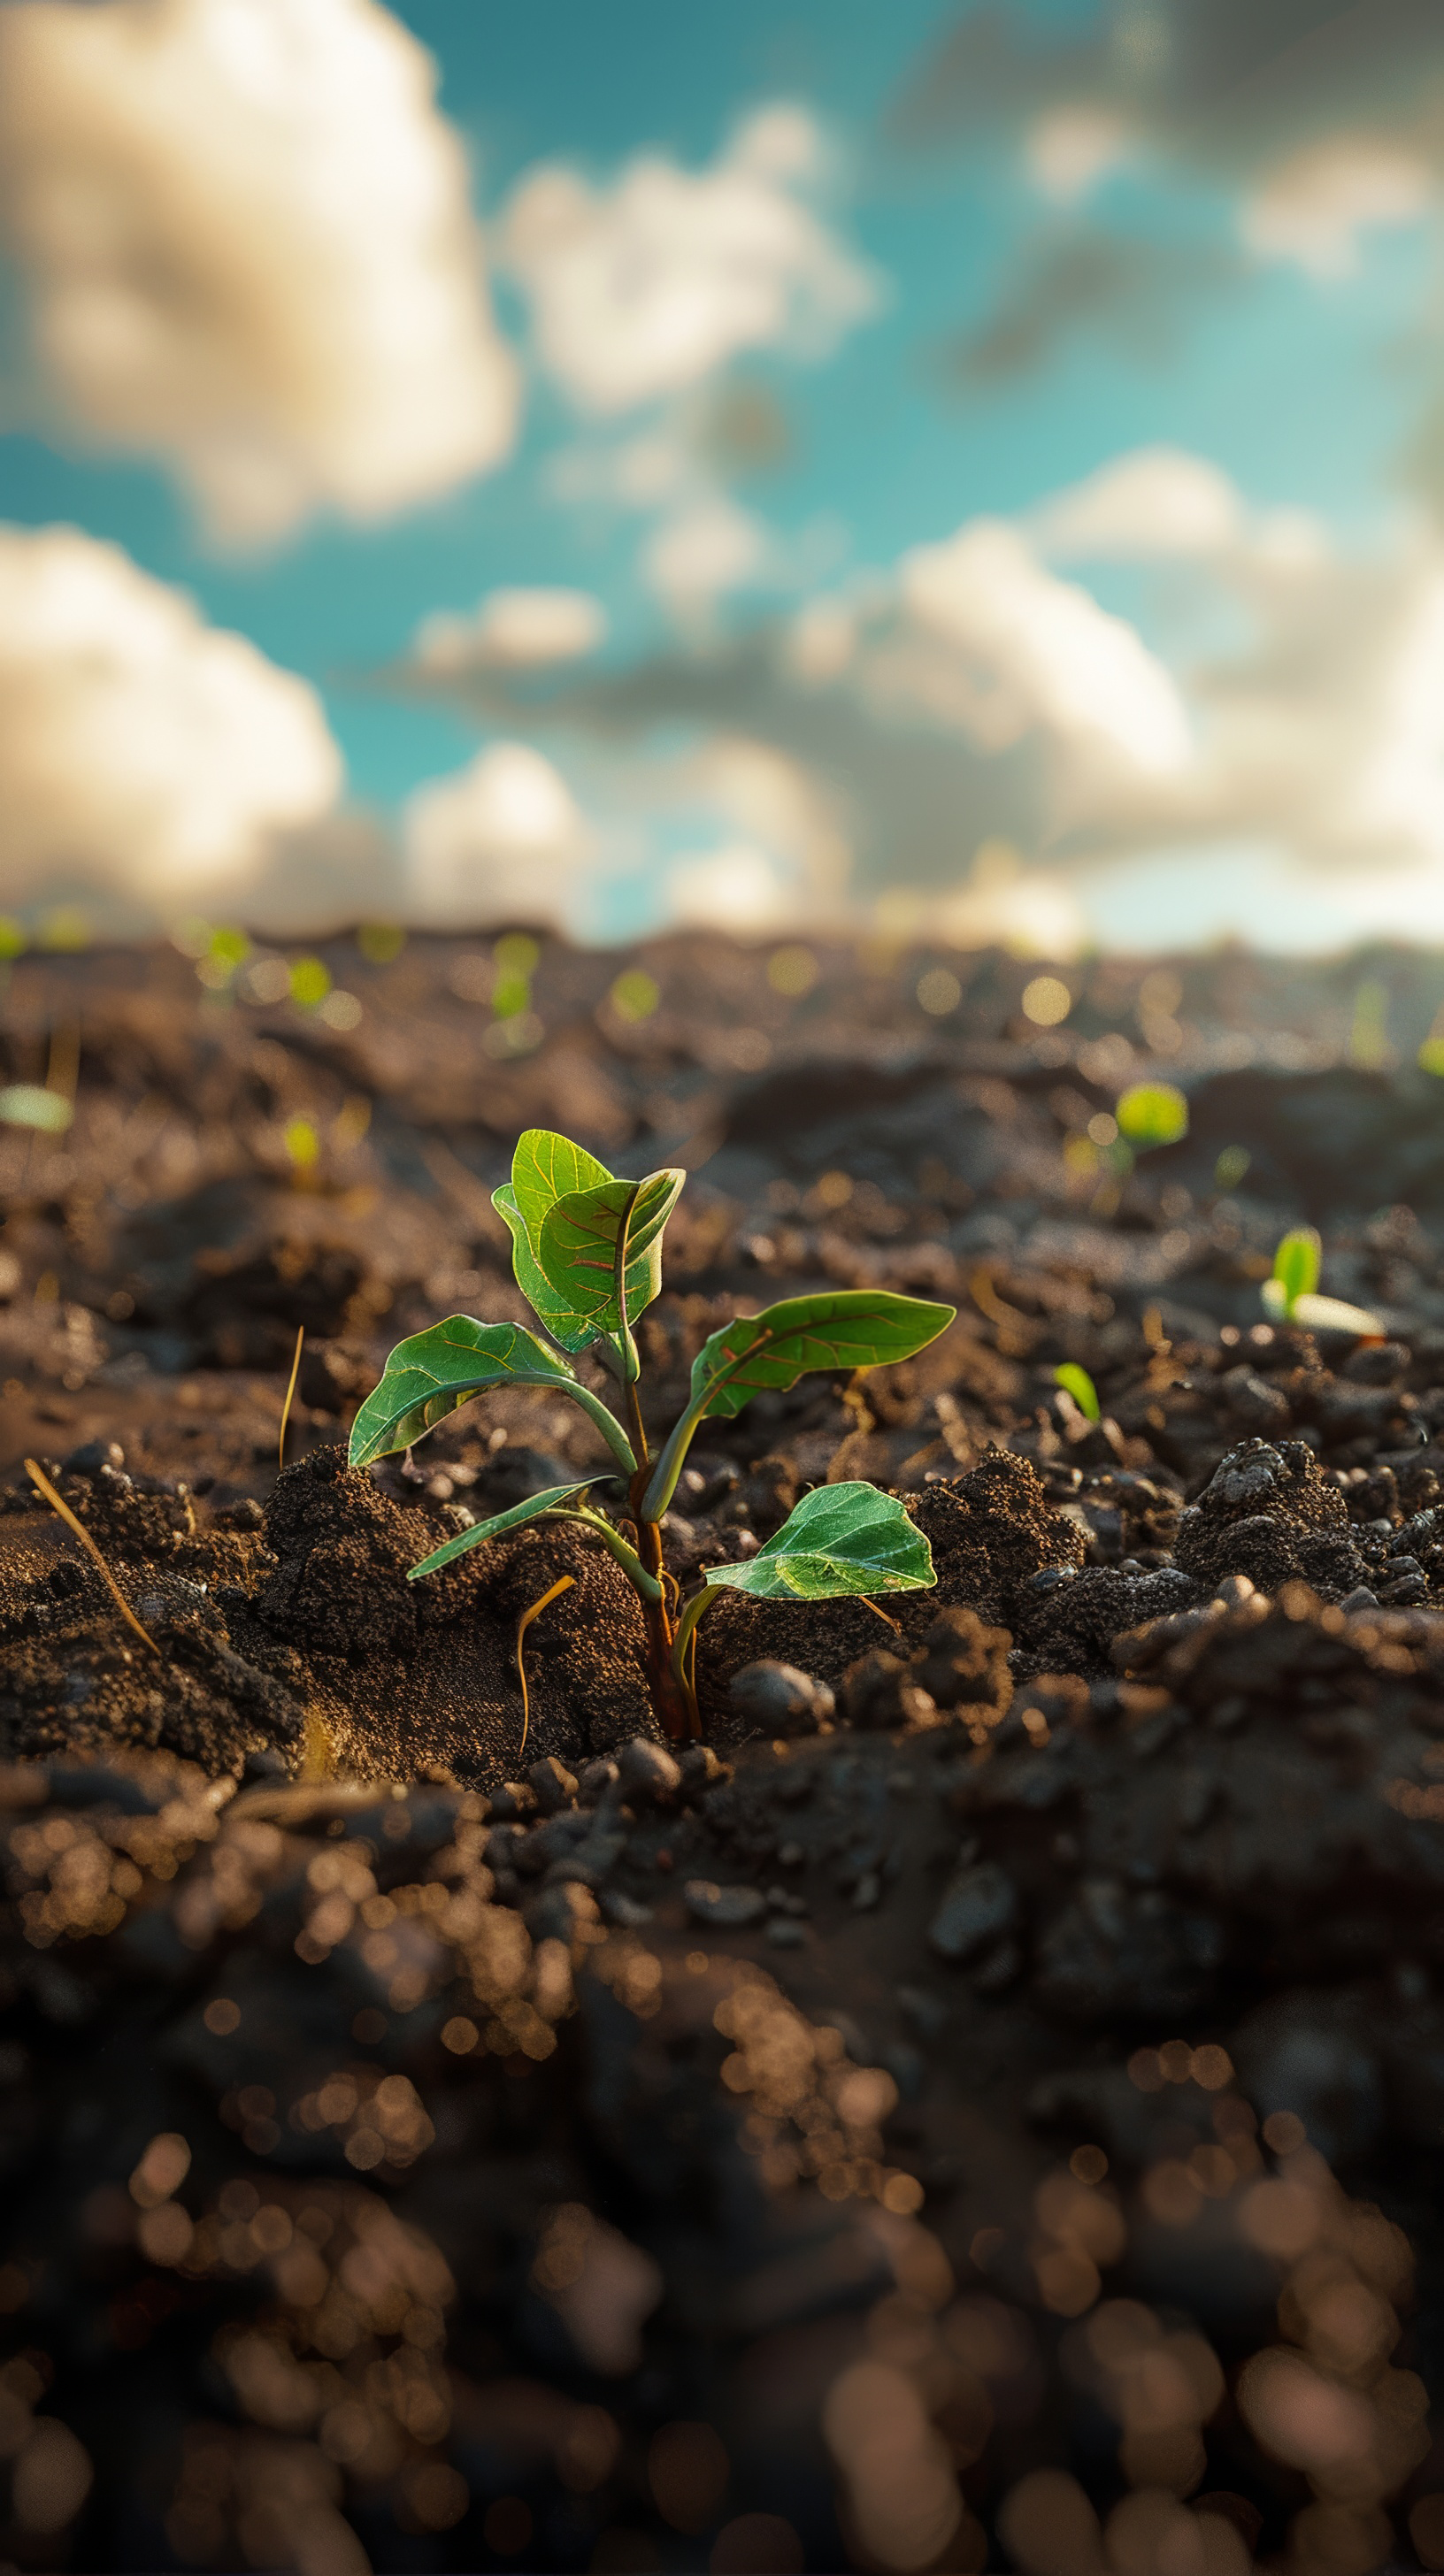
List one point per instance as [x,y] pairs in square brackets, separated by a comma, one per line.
[1289,1298]
[1075,1381]
[587,1254]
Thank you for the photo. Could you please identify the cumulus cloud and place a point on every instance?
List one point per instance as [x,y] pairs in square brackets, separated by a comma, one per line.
[1021,651]
[245,234]
[970,698]
[511,630]
[143,754]
[692,559]
[502,840]
[1315,206]
[646,288]
[1157,501]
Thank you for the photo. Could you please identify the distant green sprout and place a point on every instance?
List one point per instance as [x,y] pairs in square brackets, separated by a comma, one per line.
[516,958]
[310,982]
[302,1143]
[635,995]
[380,941]
[1369,1050]
[1075,1381]
[13,942]
[1289,1298]
[30,1104]
[1152,1113]
[587,1254]
[1231,1166]
[1296,1266]
[1431,1053]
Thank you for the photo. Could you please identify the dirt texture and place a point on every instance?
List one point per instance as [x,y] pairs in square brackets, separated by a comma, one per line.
[984,2107]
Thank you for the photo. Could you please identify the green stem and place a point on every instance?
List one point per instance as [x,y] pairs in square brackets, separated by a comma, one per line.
[673,1458]
[605,1420]
[627,1557]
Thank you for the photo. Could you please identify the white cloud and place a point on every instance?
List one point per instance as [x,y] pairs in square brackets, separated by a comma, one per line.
[142,752]
[1155,501]
[249,251]
[1313,207]
[511,630]
[1069,149]
[1023,651]
[646,288]
[693,559]
[501,840]
[737,888]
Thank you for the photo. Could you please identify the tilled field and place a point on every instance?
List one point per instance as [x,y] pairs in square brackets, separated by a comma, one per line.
[983,2108]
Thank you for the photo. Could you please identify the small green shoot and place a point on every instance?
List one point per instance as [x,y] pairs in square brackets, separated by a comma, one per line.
[32,1104]
[1296,1266]
[586,1251]
[1231,1167]
[1075,1381]
[1289,1295]
[1152,1113]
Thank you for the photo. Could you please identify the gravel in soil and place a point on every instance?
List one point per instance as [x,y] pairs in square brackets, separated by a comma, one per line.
[982,2109]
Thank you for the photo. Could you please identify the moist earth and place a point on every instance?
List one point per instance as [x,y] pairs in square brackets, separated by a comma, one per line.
[983,2107]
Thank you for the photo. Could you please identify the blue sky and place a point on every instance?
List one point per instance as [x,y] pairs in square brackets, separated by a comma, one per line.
[1297,374]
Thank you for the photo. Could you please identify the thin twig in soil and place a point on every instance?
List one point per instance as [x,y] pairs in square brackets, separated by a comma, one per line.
[290,1391]
[885,1615]
[563,1584]
[39,1478]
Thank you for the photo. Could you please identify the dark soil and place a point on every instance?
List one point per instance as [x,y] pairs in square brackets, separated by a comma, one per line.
[996,2086]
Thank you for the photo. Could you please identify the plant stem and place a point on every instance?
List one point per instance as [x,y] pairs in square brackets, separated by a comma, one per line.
[605,1420]
[627,1557]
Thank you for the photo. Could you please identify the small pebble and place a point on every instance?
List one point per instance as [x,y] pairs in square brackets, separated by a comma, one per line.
[646,1770]
[780,1699]
[783,1933]
[978,1905]
[729,1908]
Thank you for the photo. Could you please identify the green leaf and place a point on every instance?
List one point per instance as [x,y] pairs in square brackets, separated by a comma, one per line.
[839,1539]
[566,1323]
[578,1250]
[432,1373]
[1296,1265]
[552,1498]
[1075,1381]
[1152,1113]
[842,1328]
[544,1168]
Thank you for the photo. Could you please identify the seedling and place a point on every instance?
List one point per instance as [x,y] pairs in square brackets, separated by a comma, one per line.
[1075,1381]
[587,1253]
[1152,1113]
[1289,1298]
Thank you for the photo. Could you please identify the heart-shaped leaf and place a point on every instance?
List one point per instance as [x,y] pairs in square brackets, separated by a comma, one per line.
[566,1323]
[544,1168]
[841,1328]
[838,1539]
[579,1245]
[552,1498]
[429,1375]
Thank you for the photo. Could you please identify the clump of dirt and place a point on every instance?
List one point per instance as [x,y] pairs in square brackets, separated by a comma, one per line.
[1267,1512]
